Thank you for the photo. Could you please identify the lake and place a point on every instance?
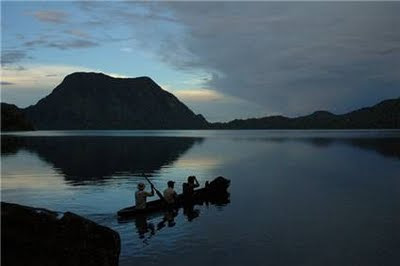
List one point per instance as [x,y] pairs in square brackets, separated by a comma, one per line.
[315,197]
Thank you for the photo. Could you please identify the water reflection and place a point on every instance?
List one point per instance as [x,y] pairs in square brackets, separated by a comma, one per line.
[148,225]
[85,160]
[190,212]
[82,159]
[146,229]
[388,147]
[297,198]
[169,219]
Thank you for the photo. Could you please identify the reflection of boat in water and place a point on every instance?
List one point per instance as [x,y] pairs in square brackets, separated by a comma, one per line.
[214,192]
[148,223]
[147,229]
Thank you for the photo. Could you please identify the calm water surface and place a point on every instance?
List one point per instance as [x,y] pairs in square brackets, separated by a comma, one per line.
[297,197]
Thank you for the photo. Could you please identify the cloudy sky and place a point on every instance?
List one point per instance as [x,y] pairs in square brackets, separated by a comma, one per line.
[225,60]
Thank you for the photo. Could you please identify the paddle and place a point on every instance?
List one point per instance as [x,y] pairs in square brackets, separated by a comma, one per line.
[157,191]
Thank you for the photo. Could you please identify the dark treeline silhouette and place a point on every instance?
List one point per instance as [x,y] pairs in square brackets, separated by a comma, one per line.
[95,158]
[13,118]
[383,115]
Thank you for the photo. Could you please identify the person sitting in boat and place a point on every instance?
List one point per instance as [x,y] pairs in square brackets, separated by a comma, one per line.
[188,188]
[169,193]
[141,196]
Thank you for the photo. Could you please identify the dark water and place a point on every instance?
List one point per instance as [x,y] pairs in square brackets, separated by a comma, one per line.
[297,197]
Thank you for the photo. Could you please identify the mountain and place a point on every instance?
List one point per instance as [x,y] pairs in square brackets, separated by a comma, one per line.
[98,101]
[383,115]
[13,118]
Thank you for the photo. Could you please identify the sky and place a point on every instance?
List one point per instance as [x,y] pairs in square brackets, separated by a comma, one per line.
[225,60]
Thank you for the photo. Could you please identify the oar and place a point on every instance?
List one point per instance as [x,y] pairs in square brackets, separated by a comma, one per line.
[157,191]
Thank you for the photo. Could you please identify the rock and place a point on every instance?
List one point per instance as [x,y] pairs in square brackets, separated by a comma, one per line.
[34,236]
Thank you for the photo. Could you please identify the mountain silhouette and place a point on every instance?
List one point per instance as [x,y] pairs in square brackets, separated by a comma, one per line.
[385,114]
[98,101]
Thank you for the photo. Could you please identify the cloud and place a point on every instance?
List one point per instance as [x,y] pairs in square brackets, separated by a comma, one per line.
[198,95]
[9,57]
[71,44]
[227,108]
[39,77]
[4,83]
[42,40]
[77,33]
[291,58]
[70,35]
[60,42]
[126,49]
[51,16]
[217,106]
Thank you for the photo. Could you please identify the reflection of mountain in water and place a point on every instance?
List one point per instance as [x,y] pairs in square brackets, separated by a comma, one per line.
[95,158]
[388,147]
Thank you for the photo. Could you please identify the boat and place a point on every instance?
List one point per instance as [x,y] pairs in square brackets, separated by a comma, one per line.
[214,192]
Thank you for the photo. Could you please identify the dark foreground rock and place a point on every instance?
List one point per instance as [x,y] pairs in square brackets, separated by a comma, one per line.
[32,236]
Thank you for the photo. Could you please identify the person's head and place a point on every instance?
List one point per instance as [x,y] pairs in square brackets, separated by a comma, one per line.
[141,186]
[191,179]
[171,184]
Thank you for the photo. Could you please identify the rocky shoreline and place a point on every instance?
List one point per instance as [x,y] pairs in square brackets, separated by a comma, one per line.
[36,236]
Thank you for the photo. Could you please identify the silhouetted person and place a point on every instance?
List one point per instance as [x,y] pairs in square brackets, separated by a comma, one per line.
[141,196]
[170,194]
[188,188]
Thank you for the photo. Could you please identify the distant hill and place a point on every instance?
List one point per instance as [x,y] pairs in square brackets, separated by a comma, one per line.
[383,115]
[13,118]
[98,101]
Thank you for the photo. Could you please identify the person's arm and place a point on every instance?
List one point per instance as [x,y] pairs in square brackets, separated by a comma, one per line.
[151,194]
[196,183]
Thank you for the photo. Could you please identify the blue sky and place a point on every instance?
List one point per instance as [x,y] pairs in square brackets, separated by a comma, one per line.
[225,60]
